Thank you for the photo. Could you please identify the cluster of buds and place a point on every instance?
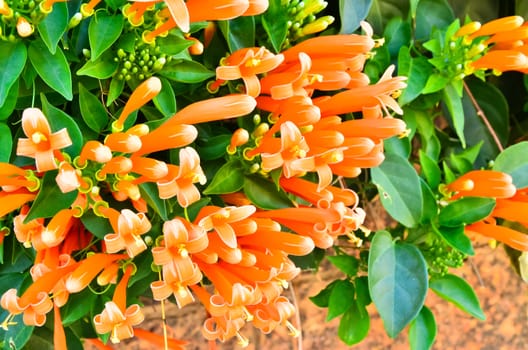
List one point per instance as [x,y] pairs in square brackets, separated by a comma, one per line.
[303,19]
[141,63]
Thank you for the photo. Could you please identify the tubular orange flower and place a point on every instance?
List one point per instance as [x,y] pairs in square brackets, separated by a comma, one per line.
[88,8]
[41,142]
[123,142]
[150,168]
[212,10]
[159,341]
[88,269]
[498,25]
[116,165]
[94,151]
[288,83]
[508,236]
[222,219]
[483,183]
[128,229]
[240,137]
[46,5]
[10,201]
[256,7]
[166,137]
[67,178]
[502,60]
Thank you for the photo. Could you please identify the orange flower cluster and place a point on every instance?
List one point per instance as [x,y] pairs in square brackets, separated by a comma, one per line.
[503,42]
[511,206]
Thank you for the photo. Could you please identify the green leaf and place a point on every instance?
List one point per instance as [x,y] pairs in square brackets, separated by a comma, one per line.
[346,263]
[10,103]
[417,70]
[513,161]
[100,69]
[264,194]
[239,32]
[322,298]
[50,199]
[383,10]
[397,35]
[275,23]
[435,82]
[186,72]
[59,120]
[173,44]
[341,298]
[430,169]
[78,306]
[354,325]
[422,331]
[466,211]
[12,55]
[92,110]
[352,13]
[52,68]
[426,128]
[115,90]
[165,101]
[399,188]
[454,104]
[309,261]
[17,335]
[103,31]
[397,281]
[429,205]
[362,291]
[456,238]
[228,179]
[496,109]
[97,225]
[149,191]
[54,25]
[6,143]
[432,14]
[457,291]
[213,147]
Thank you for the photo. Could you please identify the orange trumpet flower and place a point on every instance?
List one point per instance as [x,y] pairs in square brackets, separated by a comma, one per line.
[482,183]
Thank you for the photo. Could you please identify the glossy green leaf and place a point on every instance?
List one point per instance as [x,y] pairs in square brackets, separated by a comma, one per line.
[397,35]
[50,199]
[454,104]
[399,188]
[10,103]
[92,110]
[382,10]
[103,31]
[352,13]
[173,44]
[264,194]
[422,331]
[346,263]
[100,69]
[513,161]
[496,109]
[213,147]
[456,238]
[322,298]
[12,55]
[52,68]
[275,23]
[457,291]
[115,90]
[425,127]
[309,261]
[417,69]
[397,281]
[186,72]
[17,335]
[6,143]
[165,101]
[54,25]
[79,305]
[239,32]
[341,298]
[429,205]
[362,291]
[430,169]
[354,325]
[149,191]
[228,179]
[435,82]
[432,14]
[466,211]
[97,225]
[59,120]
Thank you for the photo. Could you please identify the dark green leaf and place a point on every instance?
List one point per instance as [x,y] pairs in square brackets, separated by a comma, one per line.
[422,331]
[17,334]
[346,263]
[52,68]
[430,169]
[50,199]
[100,69]
[383,10]
[513,161]
[362,291]
[6,143]
[12,55]
[54,25]
[10,103]
[354,325]
[213,147]
[309,261]
[115,90]
[103,31]
[239,32]
[432,14]
[429,206]
[399,188]
[92,110]
[165,101]
[426,128]
[59,120]
[454,105]
[457,291]
[97,225]
[341,298]
[352,13]
[78,306]
[456,238]
[397,35]
[397,281]
[228,179]
[466,211]
[173,44]
[149,191]
[323,297]
[398,145]
[275,23]
[264,194]
[187,72]
[417,69]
